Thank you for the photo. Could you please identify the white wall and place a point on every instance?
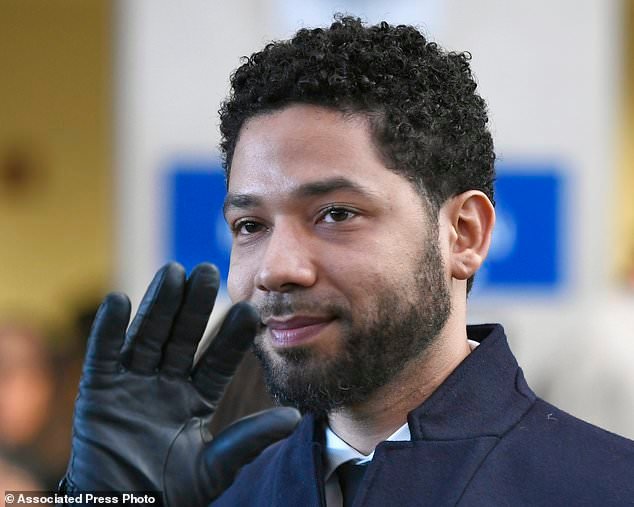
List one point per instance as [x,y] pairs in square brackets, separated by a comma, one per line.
[174,59]
[548,71]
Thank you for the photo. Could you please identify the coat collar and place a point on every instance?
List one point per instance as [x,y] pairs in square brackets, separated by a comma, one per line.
[485,395]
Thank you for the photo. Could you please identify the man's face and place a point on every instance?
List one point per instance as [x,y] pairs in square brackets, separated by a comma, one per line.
[338,254]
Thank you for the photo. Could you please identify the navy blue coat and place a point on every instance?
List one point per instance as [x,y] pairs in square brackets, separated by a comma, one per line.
[482,439]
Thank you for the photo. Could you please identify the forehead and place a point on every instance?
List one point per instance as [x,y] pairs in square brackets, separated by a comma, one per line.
[301,144]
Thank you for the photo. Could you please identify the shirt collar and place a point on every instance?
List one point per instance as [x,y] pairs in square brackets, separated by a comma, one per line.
[338,452]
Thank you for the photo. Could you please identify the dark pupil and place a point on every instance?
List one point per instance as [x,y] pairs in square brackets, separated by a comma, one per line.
[338,215]
[251,227]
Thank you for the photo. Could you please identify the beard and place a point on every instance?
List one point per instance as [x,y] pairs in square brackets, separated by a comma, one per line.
[399,324]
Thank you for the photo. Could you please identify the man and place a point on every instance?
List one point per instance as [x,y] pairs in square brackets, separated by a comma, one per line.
[360,189]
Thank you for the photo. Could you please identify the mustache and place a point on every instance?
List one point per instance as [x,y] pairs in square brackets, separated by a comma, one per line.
[281,305]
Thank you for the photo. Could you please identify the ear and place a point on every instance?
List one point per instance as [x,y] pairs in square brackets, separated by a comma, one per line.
[471,218]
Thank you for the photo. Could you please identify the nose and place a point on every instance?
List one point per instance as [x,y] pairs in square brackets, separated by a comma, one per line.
[287,262]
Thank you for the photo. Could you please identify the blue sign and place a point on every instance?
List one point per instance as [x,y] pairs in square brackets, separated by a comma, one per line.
[198,231]
[526,250]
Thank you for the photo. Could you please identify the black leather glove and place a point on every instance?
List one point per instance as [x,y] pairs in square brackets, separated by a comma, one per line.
[142,412]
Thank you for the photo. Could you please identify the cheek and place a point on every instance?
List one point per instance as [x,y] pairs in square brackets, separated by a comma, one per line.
[380,266]
[240,279]
[359,275]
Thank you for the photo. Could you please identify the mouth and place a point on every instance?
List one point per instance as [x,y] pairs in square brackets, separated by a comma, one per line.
[295,331]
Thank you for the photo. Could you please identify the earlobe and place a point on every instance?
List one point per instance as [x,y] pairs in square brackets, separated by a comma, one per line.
[472,217]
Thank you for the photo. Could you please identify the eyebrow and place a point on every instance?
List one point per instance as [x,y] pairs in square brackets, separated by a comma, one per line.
[311,189]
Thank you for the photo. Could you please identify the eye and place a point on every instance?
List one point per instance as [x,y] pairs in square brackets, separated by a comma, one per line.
[334,215]
[247,227]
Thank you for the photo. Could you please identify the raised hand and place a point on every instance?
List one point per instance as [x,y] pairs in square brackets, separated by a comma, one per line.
[143,409]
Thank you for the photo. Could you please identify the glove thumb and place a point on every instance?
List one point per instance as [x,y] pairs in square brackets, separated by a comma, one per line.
[243,441]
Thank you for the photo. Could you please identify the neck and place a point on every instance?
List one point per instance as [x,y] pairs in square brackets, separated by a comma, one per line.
[365,425]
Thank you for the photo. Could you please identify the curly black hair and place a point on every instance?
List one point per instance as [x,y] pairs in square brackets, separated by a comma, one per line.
[427,120]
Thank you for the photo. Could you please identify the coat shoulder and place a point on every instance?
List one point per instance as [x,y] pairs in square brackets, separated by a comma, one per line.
[550,457]
[568,436]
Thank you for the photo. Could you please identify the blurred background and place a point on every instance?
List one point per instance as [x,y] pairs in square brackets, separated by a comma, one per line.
[109,167]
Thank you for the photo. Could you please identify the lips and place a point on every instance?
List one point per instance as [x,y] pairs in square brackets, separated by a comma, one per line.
[298,330]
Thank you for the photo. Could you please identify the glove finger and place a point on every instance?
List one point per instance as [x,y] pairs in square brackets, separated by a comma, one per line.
[243,441]
[200,294]
[219,362]
[107,333]
[152,324]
